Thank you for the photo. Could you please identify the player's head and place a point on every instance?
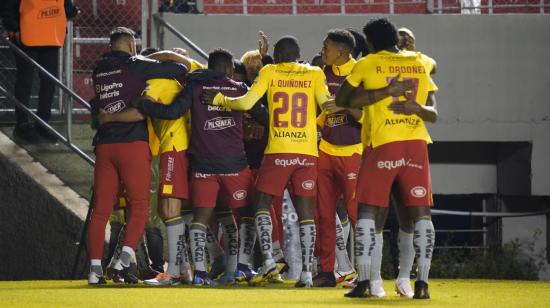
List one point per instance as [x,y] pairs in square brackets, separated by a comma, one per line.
[149,50]
[317,61]
[360,49]
[252,61]
[221,60]
[239,74]
[407,41]
[123,39]
[381,34]
[286,50]
[337,47]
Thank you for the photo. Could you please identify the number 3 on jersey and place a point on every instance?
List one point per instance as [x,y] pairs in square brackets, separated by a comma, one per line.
[298,109]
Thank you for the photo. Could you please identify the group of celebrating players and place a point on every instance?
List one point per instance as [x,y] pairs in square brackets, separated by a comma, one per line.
[232,137]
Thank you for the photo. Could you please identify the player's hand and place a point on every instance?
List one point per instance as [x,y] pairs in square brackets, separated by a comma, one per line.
[330,106]
[181,51]
[102,117]
[408,107]
[263,44]
[399,88]
[208,96]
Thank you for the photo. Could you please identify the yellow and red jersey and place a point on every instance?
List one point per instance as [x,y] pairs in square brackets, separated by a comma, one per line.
[172,134]
[293,92]
[375,71]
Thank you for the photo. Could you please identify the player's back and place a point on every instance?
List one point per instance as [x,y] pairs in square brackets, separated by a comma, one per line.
[216,131]
[171,133]
[380,68]
[293,95]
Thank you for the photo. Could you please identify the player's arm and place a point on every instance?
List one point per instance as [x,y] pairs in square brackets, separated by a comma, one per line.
[322,94]
[171,56]
[426,112]
[95,112]
[357,114]
[244,102]
[259,112]
[181,103]
[129,115]
[356,97]
[145,68]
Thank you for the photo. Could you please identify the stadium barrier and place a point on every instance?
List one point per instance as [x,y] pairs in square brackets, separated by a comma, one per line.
[356,6]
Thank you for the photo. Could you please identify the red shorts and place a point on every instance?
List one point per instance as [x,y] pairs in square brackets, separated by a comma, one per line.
[173,175]
[278,169]
[235,188]
[405,162]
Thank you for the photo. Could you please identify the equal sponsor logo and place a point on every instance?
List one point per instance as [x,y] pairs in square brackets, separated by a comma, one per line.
[239,194]
[352,176]
[394,164]
[115,106]
[293,162]
[219,123]
[308,184]
[334,120]
[419,192]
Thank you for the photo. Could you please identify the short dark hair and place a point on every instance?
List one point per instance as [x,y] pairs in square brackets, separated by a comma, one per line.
[360,43]
[149,50]
[219,59]
[381,33]
[119,33]
[239,67]
[287,49]
[317,61]
[343,38]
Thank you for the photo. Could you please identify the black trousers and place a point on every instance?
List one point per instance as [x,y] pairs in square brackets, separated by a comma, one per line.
[47,57]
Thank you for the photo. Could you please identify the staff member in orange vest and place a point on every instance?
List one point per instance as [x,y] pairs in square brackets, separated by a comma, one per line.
[38,27]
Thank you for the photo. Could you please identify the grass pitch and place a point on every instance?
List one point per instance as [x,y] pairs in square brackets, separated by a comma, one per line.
[445,293]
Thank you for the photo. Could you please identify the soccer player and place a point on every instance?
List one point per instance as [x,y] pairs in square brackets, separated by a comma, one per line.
[404,236]
[122,150]
[398,137]
[339,158]
[294,90]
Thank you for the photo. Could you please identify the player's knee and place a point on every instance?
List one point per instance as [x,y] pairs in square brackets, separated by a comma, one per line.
[264,202]
[366,211]
[418,213]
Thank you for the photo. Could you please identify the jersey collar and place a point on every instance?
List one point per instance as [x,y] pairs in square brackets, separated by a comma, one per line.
[344,69]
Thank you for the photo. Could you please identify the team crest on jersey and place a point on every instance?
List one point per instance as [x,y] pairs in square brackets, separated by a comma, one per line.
[115,107]
[334,120]
[352,176]
[219,123]
[419,192]
[308,184]
[239,195]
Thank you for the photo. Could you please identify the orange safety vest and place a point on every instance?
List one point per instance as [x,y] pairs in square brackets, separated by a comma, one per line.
[42,22]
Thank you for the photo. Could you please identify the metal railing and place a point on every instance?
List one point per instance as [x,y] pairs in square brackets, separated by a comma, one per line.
[68,104]
[160,21]
[295,7]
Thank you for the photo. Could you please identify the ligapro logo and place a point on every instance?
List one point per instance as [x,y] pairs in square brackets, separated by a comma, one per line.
[115,106]
[219,123]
